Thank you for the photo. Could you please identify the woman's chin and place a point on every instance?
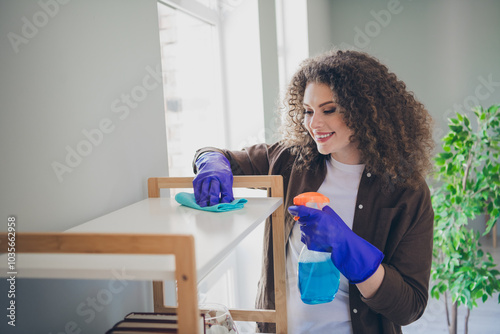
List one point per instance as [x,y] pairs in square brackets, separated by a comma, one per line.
[322,150]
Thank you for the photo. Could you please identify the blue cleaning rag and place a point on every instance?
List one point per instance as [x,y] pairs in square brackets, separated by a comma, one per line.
[187,199]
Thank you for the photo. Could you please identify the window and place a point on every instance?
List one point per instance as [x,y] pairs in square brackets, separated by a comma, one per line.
[193,36]
[192,86]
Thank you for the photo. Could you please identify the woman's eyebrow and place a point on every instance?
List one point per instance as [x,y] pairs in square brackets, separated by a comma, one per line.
[321,105]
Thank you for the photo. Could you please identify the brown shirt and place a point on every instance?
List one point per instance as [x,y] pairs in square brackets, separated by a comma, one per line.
[399,222]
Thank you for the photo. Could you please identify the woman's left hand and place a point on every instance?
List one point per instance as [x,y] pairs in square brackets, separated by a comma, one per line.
[324,231]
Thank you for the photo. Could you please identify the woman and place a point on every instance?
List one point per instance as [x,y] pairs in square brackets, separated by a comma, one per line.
[354,133]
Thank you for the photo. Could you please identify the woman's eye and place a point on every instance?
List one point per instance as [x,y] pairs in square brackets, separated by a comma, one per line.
[331,111]
[308,112]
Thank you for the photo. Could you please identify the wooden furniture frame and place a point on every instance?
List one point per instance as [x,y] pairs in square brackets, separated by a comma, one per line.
[181,246]
[274,186]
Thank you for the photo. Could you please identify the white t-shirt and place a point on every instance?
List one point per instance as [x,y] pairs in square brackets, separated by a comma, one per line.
[341,187]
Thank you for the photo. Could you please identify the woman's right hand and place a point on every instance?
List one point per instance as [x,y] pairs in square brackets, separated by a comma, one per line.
[213,184]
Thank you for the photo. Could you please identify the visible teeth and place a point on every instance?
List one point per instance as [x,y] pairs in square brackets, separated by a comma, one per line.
[324,136]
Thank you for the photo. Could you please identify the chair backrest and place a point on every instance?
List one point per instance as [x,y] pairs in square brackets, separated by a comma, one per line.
[274,186]
[274,183]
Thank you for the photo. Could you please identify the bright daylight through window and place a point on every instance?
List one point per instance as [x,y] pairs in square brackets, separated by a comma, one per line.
[191,76]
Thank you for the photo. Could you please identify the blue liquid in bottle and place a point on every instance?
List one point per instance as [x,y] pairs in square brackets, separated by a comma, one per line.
[318,281]
[317,275]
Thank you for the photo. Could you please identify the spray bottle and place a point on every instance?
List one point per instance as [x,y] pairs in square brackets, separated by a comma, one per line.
[317,275]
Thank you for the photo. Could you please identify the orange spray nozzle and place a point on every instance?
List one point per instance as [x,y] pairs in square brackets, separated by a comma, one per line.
[311,199]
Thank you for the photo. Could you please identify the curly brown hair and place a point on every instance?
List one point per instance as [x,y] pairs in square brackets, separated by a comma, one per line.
[392,128]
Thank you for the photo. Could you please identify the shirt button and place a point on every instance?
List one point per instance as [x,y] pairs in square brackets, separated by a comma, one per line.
[368,174]
[354,310]
[360,206]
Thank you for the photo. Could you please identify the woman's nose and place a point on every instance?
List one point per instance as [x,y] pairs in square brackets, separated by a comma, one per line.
[316,121]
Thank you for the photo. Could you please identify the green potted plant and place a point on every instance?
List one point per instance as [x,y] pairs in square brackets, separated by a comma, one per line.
[468,186]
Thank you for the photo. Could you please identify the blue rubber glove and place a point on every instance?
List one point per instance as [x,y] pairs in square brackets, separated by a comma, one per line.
[213,183]
[324,231]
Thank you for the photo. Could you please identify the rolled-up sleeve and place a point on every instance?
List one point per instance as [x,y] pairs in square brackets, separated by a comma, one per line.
[253,160]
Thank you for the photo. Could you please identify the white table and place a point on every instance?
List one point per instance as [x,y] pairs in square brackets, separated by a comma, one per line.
[101,248]
[215,235]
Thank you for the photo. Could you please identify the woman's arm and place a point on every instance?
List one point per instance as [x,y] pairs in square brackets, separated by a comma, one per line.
[252,160]
[401,293]
[369,287]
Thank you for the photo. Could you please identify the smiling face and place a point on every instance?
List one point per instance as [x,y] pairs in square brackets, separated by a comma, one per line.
[326,125]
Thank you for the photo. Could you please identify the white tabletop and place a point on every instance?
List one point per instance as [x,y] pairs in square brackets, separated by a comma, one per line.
[215,234]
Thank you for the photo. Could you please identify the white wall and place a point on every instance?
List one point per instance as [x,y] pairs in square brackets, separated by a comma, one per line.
[319,22]
[77,76]
[269,67]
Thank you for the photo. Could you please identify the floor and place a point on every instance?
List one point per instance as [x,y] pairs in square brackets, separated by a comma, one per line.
[483,319]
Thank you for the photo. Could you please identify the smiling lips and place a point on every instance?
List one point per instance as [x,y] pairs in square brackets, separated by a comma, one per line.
[323,136]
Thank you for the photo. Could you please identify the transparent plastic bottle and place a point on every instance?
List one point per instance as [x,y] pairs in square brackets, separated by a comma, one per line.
[317,275]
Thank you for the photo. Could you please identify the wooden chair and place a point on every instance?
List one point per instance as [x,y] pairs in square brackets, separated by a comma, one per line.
[274,186]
